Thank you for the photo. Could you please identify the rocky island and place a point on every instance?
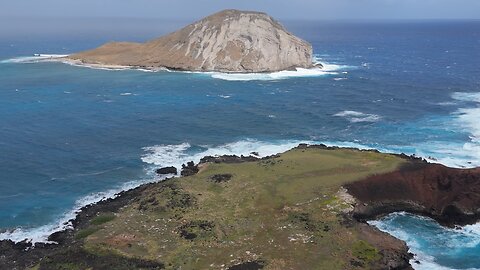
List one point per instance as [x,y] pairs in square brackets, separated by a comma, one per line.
[229,41]
[303,209]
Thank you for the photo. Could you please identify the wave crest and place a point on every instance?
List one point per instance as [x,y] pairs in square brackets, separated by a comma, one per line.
[35,58]
[426,238]
[358,117]
[176,155]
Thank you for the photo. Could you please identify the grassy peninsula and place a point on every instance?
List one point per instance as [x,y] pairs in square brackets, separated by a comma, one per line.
[284,212]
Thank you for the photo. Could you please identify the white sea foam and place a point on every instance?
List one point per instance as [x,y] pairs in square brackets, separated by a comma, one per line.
[280,75]
[327,69]
[61,58]
[99,66]
[35,58]
[40,234]
[447,103]
[159,155]
[358,117]
[465,120]
[464,96]
[461,237]
[457,155]
[468,119]
[176,155]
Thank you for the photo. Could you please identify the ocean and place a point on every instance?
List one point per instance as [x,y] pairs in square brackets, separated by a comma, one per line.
[73,135]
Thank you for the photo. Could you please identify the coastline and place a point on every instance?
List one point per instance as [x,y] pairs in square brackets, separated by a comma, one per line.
[27,253]
[318,69]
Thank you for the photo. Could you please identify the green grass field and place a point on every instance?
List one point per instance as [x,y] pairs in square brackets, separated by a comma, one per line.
[284,213]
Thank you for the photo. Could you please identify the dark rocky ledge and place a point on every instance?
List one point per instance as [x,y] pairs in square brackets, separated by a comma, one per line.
[167,170]
[23,254]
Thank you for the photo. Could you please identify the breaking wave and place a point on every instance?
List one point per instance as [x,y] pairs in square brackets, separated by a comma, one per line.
[41,234]
[434,246]
[358,117]
[464,120]
[326,69]
[280,75]
[155,156]
[36,58]
[176,155]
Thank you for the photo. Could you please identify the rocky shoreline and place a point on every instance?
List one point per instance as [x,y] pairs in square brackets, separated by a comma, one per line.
[23,254]
[448,195]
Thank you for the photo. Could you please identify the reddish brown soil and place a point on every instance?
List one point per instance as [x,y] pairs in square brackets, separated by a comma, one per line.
[451,196]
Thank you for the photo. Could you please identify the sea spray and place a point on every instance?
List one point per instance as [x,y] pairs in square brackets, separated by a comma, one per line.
[434,246]
[155,156]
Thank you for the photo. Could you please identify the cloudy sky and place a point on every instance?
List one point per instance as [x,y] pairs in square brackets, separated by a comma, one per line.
[282,9]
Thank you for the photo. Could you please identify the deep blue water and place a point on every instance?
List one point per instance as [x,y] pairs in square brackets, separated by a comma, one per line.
[71,135]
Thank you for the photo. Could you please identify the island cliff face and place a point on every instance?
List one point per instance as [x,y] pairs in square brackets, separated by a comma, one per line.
[228,41]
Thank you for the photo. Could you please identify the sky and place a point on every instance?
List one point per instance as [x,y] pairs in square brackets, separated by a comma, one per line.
[281,9]
[145,19]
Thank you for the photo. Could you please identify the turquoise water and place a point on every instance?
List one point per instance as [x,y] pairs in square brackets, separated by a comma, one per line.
[73,135]
[434,246]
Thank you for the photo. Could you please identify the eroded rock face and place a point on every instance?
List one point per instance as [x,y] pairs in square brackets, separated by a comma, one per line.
[451,196]
[228,41]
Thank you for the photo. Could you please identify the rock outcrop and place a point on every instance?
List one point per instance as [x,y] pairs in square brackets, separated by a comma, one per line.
[167,170]
[229,41]
[451,196]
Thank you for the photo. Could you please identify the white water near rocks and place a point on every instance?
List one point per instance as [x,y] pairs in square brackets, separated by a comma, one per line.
[156,156]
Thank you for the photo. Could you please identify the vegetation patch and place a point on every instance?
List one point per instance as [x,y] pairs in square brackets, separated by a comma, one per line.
[168,197]
[365,252]
[102,218]
[180,199]
[304,220]
[220,178]
[196,229]
[81,234]
[76,258]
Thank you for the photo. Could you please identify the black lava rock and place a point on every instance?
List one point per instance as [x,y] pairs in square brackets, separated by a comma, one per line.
[167,170]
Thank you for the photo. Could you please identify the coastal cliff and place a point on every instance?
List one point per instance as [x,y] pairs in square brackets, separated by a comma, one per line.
[228,41]
[450,196]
